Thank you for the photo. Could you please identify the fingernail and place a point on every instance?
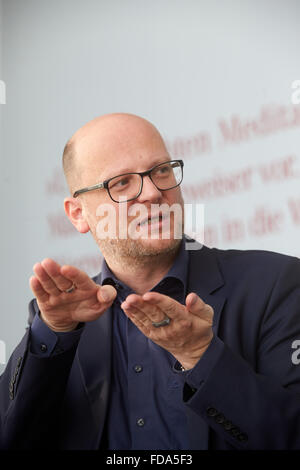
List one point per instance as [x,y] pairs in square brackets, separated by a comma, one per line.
[105,295]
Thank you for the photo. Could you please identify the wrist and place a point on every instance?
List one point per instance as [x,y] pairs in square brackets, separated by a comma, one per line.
[61,328]
[189,360]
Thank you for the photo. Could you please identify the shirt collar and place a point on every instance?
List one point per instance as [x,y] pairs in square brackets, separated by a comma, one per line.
[178,271]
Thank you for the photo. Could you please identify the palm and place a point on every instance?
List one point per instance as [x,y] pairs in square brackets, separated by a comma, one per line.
[60,308]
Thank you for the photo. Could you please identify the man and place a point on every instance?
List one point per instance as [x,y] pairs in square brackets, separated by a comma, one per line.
[166,348]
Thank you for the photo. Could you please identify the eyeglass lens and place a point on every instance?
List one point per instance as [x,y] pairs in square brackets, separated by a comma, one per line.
[125,187]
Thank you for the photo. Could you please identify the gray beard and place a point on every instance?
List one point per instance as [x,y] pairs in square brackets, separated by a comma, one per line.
[128,252]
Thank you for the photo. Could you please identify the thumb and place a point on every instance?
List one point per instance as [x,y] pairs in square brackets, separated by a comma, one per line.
[194,303]
[196,306]
[106,294]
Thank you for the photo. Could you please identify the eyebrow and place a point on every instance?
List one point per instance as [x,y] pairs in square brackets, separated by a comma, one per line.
[127,170]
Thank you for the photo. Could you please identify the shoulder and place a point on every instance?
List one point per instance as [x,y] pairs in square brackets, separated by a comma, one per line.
[243,265]
[254,258]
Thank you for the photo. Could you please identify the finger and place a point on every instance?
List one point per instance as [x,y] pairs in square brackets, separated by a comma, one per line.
[145,311]
[167,305]
[196,306]
[53,270]
[136,314]
[143,326]
[38,290]
[78,277]
[47,283]
[106,294]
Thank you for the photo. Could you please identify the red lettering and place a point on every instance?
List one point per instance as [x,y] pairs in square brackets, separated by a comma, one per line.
[294,208]
[210,235]
[233,230]
[279,169]
[264,222]
[185,147]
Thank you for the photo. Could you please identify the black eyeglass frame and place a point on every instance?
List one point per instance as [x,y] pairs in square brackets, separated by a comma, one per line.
[104,184]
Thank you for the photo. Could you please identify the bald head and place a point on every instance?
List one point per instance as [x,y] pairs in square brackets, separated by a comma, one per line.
[94,146]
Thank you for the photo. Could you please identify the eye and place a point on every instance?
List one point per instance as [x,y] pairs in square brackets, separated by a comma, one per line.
[121,182]
[163,170]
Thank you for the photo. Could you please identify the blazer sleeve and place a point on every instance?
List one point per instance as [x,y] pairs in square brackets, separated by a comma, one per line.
[254,405]
[28,412]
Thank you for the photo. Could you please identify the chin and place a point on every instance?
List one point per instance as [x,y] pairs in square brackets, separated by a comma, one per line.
[151,247]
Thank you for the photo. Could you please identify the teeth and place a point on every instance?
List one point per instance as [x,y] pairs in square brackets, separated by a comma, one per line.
[151,221]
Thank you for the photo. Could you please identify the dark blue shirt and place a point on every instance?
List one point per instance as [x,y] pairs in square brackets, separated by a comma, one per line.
[146,410]
[147,402]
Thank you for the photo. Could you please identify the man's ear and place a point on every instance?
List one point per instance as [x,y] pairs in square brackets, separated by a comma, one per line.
[73,209]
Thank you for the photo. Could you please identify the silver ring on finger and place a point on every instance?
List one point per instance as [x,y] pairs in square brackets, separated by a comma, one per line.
[71,289]
[164,322]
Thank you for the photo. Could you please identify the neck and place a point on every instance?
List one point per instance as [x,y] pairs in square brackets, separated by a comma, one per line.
[144,273]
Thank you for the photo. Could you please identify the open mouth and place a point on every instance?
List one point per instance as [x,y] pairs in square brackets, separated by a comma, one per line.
[152,220]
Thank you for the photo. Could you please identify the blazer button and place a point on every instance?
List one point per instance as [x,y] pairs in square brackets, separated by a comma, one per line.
[138,368]
[235,432]
[43,347]
[227,425]
[211,411]
[219,418]
[140,422]
[19,362]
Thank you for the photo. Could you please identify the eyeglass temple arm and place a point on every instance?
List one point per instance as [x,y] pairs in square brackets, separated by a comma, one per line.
[88,188]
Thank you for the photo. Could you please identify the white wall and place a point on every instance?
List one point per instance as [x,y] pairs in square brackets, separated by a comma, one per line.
[215,77]
[6,334]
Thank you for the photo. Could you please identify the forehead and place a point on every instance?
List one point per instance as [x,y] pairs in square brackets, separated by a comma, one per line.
[101,158]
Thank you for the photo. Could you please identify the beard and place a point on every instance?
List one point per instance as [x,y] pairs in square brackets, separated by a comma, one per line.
[136,251]
[142,251]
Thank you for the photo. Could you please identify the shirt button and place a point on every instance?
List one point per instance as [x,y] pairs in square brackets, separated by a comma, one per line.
[140,422]
[138,368]
[43,347]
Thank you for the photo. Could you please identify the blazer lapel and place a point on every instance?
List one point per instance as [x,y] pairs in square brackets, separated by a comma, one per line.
[206,280]
[88,384]
[94,354]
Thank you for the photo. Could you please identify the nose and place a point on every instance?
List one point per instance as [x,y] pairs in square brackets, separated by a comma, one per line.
[149,191]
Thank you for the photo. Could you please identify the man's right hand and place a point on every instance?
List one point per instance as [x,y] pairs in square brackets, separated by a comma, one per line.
[60,310]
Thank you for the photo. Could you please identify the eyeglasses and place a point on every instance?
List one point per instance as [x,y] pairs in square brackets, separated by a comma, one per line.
[128,186]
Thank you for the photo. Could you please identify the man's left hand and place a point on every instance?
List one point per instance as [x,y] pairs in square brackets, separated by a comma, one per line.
[189,332]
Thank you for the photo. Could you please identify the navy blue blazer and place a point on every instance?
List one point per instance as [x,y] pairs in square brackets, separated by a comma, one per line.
[250,399]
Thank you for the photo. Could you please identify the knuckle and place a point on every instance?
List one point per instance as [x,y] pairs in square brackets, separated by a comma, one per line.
[185,323]
[209,309]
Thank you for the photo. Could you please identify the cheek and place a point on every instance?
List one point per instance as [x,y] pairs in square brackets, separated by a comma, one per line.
[96,210]
[174,196]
